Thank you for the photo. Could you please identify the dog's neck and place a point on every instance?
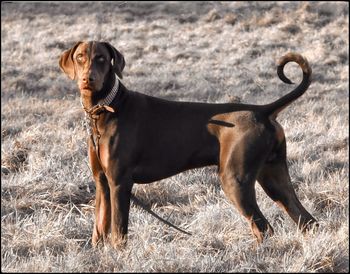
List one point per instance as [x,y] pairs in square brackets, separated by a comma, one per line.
[103,97]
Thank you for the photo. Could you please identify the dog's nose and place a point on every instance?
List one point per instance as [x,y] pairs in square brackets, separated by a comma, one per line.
[88,79]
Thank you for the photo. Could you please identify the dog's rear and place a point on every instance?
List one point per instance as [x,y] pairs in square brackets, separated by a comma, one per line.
[274,176]
[256,150]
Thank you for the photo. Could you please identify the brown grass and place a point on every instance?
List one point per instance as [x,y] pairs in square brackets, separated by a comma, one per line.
[186,51]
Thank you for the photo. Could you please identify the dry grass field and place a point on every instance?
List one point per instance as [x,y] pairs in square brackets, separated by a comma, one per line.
[185,51]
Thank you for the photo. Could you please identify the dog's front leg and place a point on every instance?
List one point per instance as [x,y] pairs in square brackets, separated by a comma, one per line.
[103,204]
[120,191]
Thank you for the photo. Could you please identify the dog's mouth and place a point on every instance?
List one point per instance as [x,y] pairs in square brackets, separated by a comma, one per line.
[88,88]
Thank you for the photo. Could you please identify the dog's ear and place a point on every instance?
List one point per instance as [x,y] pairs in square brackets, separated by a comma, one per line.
[67,62]
[118,59]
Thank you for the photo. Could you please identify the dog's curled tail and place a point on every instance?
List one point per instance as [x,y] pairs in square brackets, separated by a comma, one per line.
[274,108]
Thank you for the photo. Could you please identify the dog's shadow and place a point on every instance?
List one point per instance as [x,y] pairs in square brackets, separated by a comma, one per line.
[180,190]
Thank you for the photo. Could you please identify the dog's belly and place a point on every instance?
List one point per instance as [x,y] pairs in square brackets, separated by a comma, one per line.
[148,174]
[152,168]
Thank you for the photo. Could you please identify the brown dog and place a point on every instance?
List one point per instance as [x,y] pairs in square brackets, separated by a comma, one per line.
[137,138]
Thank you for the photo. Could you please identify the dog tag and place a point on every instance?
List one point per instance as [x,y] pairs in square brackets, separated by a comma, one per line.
[110,109]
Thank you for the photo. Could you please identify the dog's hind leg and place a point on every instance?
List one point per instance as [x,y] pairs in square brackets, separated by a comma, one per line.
[239,165]
[275,180]
[242,194]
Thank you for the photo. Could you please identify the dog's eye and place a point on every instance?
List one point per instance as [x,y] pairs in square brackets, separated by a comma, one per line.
[100,59]
[80,58]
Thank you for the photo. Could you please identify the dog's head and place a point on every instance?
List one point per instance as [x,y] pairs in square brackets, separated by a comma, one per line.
[91,63]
